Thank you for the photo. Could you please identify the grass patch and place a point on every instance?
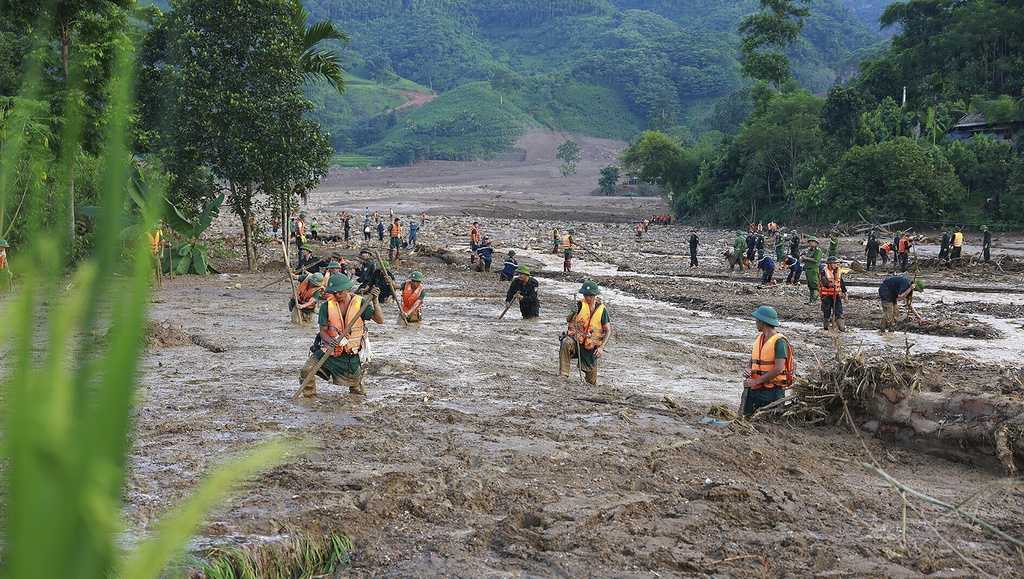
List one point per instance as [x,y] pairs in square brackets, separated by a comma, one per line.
[358,161]
[303,556]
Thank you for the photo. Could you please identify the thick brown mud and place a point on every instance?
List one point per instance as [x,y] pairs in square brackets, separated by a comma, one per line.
[471,456]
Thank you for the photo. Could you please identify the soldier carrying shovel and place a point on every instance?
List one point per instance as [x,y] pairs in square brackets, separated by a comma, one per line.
[335,350]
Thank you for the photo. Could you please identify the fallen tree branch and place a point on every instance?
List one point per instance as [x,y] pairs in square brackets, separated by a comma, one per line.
[952,508]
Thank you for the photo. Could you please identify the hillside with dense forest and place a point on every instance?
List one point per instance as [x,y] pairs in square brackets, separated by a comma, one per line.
[609,68]
[861,152]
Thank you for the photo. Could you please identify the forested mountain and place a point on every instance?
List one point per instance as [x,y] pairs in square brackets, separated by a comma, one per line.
[862,151]
[567,64]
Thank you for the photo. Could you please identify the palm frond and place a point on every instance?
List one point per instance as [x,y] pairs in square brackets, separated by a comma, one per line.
[323,65]
[321,31]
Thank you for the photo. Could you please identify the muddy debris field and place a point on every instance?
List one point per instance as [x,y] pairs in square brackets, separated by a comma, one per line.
[471,457]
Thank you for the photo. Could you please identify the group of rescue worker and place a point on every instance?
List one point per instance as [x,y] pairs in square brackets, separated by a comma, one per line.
[345,302]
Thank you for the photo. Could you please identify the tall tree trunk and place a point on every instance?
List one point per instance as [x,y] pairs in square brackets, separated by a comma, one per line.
[65,57]
[247,223]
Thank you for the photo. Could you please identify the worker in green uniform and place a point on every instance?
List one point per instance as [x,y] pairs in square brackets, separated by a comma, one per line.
[739,246]
[811,261]
[342,321]
[833,245]
[589,329]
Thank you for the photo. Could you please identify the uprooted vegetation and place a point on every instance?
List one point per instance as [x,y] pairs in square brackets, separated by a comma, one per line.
[301,555]
[887,397]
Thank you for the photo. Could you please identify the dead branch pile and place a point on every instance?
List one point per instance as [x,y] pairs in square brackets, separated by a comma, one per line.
[854,381]
[886,397]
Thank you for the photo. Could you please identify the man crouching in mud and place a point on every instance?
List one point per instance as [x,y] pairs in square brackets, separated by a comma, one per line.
[342,321]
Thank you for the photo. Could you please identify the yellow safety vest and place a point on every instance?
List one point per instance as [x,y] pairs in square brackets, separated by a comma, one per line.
[586,327]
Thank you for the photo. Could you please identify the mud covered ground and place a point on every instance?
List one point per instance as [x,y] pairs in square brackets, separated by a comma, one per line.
[471,457]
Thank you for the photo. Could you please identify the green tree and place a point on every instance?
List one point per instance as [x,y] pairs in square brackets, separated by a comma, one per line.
[609,180]
[569,154]
[654,158]
[319,63]
[780,142]
[240,107]
[899,178]
[68,20]
[984,165]
[767,34]
[841,115]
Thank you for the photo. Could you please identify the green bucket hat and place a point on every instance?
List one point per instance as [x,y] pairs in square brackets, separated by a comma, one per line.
[523,269]
[333,265]
[768,315]
[315,279]
[339,283]
[3,243]
[590,288]
[416,276]
[812,238]
[832,259]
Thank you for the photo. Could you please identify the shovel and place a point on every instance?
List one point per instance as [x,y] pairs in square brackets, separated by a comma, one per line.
[509,305]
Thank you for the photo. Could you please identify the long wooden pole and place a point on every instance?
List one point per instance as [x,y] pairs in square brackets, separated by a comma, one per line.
[311,377]
[394,290]
[296,315]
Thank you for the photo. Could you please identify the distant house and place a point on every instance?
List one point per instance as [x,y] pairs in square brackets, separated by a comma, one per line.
[976,124]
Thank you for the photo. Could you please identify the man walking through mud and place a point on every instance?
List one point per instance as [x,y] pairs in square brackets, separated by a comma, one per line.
[567,245]
[811,262]
[771,364]
[342,322]
[694,241]
[589,329]
[833,293]
[871,251]
[524,288]
[986,244]
[395,240]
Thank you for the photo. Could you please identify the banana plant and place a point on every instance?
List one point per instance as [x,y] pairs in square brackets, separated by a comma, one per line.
[192,255]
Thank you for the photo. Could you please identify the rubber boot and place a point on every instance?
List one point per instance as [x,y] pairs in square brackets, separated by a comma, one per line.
[841,323]
[827,324]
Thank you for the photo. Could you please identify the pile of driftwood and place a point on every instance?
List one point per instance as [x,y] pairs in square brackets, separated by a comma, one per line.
[884,396]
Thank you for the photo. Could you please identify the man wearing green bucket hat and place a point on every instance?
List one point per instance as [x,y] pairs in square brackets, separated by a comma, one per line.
[412,298]
[893,289]
[309,293]
[589,328]
[342,335]
[771,364]
[811,261]
[524,288]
